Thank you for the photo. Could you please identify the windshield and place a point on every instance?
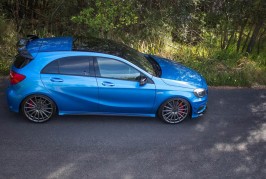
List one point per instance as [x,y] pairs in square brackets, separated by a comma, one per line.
[114,48]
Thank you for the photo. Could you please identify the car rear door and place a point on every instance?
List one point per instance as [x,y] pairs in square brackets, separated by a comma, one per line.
[120,90]
[72,84]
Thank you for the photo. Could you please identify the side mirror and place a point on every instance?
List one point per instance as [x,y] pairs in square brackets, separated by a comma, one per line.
[143,80]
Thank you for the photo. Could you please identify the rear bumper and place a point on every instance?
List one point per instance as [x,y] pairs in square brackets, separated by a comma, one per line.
[13,100]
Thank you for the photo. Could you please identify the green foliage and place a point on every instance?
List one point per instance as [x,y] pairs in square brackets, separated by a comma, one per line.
[107,16]
[7,45]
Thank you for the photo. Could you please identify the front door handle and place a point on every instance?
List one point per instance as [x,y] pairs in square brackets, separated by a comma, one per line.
[106,83]
[56,80]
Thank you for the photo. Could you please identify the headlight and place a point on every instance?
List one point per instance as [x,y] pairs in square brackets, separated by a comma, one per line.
[200,92]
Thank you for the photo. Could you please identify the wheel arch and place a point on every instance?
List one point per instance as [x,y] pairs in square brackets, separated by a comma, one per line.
[174,97]
[39,93]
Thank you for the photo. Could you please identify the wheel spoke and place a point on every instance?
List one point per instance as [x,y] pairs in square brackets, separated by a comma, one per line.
[41,115]
[170,116]
[30,110]
[176,103]
[167,115]
[168,107]
[48,108]
[46,111]
[45,114]
[28,107]
[181,112]
[176,116]
[170,104]
[38,115]
[31,104]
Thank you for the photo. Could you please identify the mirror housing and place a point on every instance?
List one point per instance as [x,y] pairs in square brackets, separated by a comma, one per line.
[143,80]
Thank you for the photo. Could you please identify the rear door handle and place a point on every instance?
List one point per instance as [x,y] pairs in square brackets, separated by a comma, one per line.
[106,83]
[56,80]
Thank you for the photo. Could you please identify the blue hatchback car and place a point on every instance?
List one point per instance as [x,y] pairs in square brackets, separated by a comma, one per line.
[62,75]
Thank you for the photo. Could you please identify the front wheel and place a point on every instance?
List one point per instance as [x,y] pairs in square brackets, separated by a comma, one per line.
[174,110]
[38,108]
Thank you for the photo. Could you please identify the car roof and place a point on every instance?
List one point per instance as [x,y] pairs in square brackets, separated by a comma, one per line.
[106,46]
[88,44]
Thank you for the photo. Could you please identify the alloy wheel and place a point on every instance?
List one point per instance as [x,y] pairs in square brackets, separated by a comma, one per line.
[175,110]
[38,108]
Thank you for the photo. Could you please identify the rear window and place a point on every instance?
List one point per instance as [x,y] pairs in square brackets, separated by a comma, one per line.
[21,61]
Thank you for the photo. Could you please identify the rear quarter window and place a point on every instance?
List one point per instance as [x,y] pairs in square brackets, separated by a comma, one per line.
[76,65]
[51,68]
[21,61]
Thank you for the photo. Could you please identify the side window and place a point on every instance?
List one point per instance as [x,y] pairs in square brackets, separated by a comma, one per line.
[74,66]
[109,68]
[51,68]
[69,66]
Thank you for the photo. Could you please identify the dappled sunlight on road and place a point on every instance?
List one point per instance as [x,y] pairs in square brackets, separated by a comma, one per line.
[62,172]
[248,145]
[254,137]
[108,167]
[258,108]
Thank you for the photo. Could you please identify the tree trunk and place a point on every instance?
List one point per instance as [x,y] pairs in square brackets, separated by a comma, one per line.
[240,35]
[254,36]
[246,41]
[230,39]
[260,39]
[224,38]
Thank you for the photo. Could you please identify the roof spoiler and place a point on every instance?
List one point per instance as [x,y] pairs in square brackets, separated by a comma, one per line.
[22,44]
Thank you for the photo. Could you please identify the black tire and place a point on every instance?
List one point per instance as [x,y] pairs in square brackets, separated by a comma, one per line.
[174,111]
[38,108]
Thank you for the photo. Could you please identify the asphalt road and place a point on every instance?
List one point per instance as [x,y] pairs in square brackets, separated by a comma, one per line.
[228,142]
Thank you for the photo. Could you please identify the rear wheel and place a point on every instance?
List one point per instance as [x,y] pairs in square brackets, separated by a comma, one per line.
[38,108]
[174,110]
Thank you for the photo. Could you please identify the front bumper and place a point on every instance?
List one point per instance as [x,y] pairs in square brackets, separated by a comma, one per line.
[199,107]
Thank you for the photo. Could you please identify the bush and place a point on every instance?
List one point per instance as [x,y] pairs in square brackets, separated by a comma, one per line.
[7,44]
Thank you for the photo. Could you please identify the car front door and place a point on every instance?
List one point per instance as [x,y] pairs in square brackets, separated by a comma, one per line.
[120,90]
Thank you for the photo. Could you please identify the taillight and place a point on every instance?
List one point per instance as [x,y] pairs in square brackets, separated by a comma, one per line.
[15,77]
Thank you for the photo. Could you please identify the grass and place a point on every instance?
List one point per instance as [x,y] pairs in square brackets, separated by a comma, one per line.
[231,72]
[225,68]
